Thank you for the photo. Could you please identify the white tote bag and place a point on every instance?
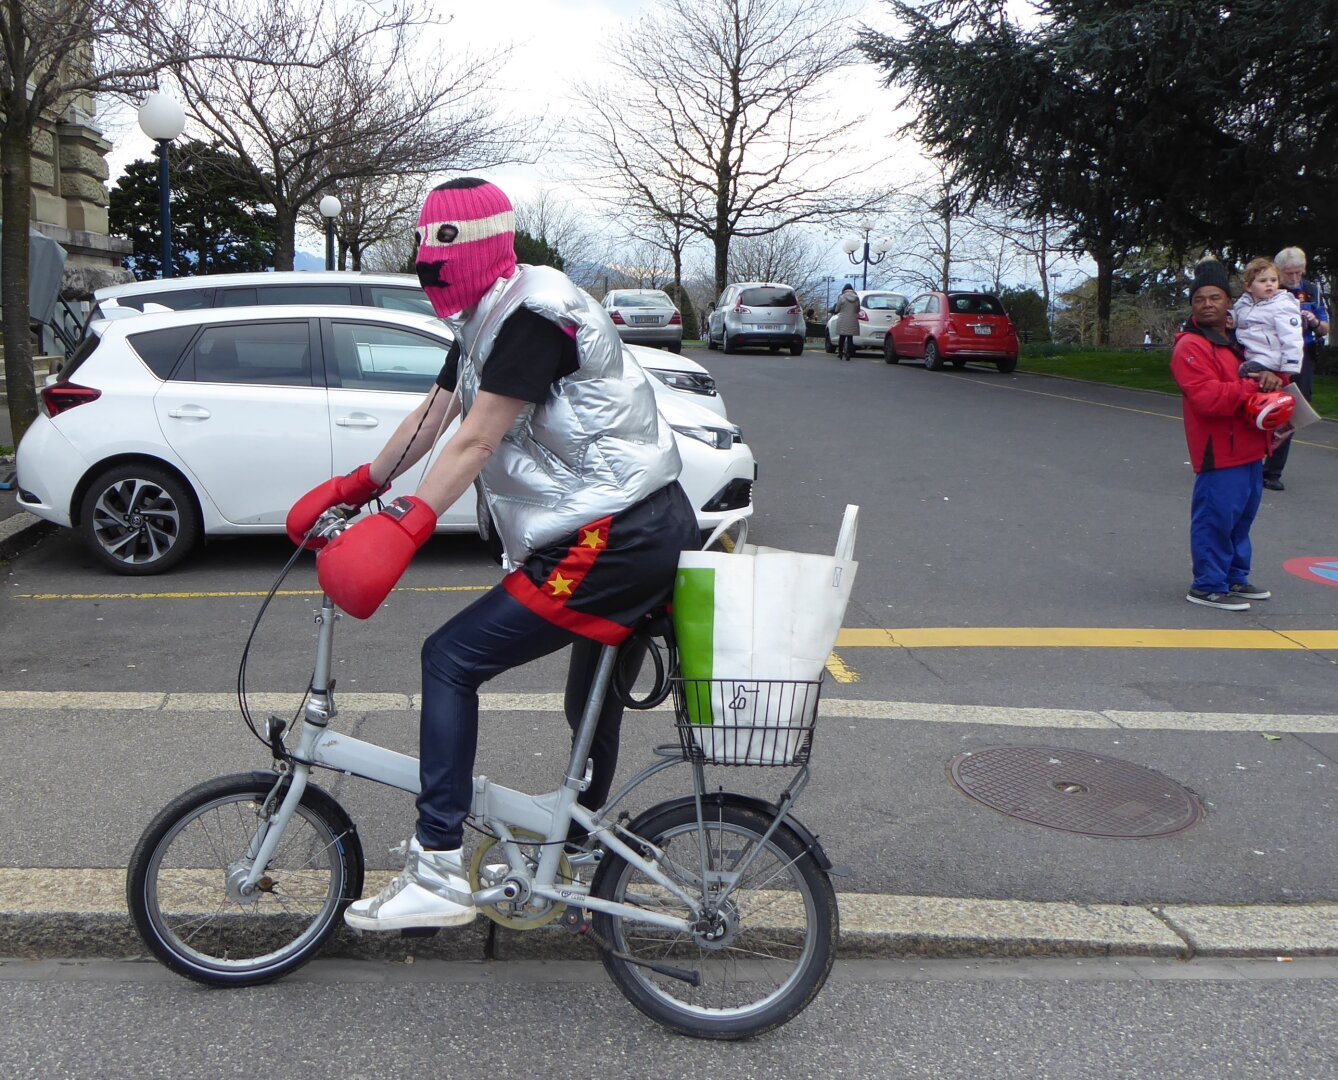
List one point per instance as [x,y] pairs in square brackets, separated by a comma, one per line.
[746,618]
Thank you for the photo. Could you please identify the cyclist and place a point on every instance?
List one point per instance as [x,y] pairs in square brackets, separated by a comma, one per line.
[559,428]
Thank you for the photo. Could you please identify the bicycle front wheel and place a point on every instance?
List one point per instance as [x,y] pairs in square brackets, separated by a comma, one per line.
[183,883]
[761,955]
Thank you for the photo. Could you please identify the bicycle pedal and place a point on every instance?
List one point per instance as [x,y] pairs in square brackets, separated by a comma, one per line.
[420,931]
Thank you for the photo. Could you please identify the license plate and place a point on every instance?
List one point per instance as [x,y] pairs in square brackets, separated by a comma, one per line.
[984,331]
[645,320]
[877,331]
[767,326]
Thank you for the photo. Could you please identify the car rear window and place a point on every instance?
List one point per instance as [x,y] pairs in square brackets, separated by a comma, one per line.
[161,349]
[175,299]
[974,304]
[769,296]
[286,294]
[642,300]
[393,298]
[884,302]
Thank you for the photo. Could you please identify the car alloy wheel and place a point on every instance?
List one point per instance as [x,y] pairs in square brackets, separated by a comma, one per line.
[889,349]
[933,361]
[138,519]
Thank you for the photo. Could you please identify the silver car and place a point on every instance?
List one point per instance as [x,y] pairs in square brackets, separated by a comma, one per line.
[645,317]
[757,313]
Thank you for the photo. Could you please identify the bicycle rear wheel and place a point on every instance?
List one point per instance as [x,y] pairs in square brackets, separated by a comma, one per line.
[762,955]
[182,883]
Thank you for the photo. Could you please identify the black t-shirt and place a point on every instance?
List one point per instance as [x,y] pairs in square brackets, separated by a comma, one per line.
[528,357]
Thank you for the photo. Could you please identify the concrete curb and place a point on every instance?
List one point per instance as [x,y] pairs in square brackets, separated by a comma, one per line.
[20,532]
[51,913]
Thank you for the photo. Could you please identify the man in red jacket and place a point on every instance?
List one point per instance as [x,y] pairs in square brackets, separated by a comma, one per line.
[1226,448]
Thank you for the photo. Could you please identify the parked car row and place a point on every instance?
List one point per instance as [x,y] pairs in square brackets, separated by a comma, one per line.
[168,425]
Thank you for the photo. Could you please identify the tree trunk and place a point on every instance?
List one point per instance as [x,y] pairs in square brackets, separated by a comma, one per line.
[285,225]
[1105,277]
[16,192]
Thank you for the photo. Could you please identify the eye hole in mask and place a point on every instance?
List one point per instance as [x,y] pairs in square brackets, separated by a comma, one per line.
[438,235]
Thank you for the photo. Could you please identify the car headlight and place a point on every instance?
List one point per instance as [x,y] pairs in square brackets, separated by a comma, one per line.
[684,380]
[719,438]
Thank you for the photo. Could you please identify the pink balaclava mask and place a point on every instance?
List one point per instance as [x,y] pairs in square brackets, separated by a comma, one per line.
[466,241]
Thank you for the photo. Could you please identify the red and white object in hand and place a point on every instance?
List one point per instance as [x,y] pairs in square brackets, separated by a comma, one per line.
[358,568]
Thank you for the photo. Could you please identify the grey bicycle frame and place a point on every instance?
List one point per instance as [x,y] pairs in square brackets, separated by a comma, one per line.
[500,809]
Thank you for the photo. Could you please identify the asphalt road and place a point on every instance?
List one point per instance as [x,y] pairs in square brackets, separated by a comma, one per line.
[987,501]
[1029,1020]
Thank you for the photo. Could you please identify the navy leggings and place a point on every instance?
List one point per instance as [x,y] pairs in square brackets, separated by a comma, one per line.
[492,635]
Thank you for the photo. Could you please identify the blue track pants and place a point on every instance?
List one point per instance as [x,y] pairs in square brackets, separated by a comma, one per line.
[1221,513]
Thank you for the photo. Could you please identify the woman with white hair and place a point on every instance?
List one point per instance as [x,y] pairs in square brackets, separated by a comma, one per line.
[1290,262]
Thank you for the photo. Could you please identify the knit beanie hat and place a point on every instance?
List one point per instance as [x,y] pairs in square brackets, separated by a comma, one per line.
[466,242]
[1210,272]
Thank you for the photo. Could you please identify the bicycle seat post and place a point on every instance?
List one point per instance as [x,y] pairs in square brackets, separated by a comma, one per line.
[585,734]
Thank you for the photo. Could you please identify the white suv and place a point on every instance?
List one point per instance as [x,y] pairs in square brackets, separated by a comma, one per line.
[168,426]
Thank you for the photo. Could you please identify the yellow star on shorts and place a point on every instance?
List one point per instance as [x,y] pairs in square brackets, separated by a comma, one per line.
[561,586]
[590,538]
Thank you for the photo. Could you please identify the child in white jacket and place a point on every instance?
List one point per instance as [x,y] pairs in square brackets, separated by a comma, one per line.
[1268,322]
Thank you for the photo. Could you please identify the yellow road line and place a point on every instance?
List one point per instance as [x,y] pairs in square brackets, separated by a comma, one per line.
[836,667]
[229,595]
[1083,637]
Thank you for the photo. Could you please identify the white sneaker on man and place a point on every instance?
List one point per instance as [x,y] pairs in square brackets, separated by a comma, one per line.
[431,890]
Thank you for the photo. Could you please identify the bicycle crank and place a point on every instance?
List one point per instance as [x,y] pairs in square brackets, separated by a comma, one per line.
[489,867]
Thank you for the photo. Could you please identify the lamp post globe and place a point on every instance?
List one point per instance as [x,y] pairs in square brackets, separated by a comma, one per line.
[163,119]
[852,244]
[330,208]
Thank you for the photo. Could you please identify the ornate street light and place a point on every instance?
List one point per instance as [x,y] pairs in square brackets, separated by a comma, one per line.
[330,207]
[852,244]
[163,119]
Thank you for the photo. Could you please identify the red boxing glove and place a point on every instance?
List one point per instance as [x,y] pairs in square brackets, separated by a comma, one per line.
[356,488]
[359,567]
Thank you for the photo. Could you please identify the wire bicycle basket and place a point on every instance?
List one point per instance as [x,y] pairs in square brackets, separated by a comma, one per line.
[746,721]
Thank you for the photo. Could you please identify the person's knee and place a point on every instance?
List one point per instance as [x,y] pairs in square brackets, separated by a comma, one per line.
[444,657]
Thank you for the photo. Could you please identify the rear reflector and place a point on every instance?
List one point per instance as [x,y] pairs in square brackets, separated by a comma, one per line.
[62,397]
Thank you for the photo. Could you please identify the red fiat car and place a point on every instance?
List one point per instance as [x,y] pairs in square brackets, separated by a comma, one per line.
[953,327]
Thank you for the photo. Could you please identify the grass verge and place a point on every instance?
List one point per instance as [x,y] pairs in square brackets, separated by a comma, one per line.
[1145,371]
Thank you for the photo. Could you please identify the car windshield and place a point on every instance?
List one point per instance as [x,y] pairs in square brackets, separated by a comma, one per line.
[884,301]
[769,296]
[642,300]
[974,304]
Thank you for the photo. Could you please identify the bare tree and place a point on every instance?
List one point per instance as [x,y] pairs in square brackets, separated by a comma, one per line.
[788,255]
[372,209]
[549,218]
[718,119]
[52,53]
[933,235]
[345,93]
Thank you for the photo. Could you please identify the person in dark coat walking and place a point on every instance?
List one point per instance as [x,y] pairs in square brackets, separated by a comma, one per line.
[846,310]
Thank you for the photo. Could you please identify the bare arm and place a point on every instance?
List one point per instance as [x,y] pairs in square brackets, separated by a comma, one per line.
[463,457]
[440,409]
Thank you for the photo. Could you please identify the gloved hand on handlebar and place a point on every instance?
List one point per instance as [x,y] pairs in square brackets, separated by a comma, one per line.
[356,488]
[358,568]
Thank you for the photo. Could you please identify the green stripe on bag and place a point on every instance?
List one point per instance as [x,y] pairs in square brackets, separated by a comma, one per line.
[694,631]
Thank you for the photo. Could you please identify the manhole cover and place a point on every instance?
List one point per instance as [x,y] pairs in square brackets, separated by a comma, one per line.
[1075,791]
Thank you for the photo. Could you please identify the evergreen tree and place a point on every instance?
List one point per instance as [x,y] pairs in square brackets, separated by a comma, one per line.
[220,223]
[536,251]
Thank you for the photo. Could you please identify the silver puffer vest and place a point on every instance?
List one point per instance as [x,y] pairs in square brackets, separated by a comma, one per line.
[596,446]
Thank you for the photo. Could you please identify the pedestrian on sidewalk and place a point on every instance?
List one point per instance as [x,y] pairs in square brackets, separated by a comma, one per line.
[846,310]
[1227,446]
[1315,327]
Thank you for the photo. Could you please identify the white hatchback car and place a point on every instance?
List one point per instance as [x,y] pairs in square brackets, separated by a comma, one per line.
[879,311]
[169,426]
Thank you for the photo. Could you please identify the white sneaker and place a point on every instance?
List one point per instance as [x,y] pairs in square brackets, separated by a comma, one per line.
[431,890]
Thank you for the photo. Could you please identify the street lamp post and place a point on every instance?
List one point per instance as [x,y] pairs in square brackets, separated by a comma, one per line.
[852,244]
[162,119]
[1054,301]
[827,302]
[330,207]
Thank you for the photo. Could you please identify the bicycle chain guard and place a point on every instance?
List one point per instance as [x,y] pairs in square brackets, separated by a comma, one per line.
[514,915]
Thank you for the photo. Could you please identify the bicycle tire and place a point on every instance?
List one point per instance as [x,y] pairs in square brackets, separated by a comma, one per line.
[177,888]
[798,925]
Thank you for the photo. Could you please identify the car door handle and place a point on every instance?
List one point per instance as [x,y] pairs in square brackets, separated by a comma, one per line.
[358,420]
[189,412]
